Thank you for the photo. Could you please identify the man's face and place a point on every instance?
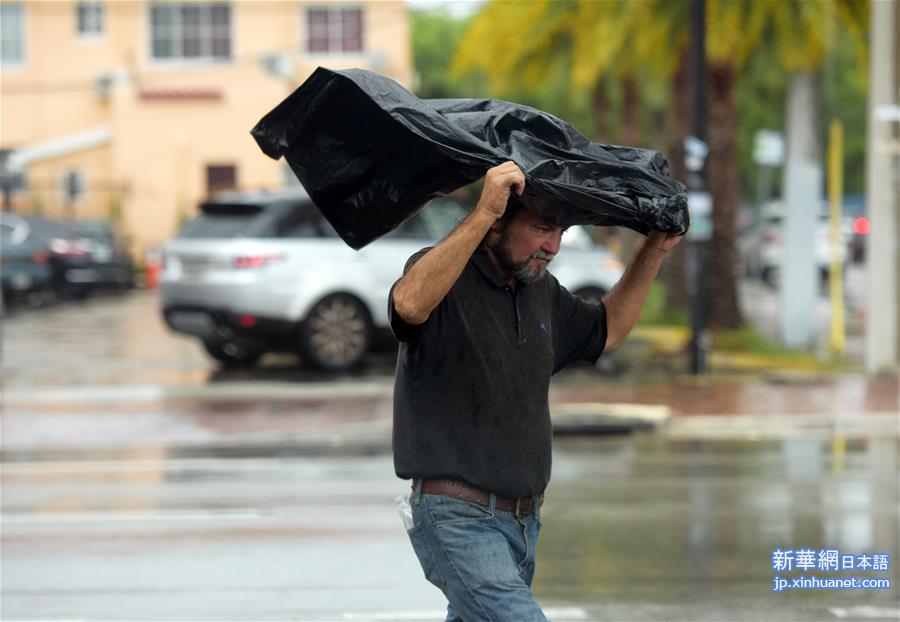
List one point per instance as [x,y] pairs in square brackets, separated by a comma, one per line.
[527,245]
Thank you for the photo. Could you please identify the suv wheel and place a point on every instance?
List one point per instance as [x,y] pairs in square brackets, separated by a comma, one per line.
[335,335]
[231,354]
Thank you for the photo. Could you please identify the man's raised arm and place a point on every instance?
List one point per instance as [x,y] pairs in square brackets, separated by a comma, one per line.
[625,301]
[426,283]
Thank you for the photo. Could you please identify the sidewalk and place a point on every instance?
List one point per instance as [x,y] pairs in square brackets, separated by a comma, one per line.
[350,417]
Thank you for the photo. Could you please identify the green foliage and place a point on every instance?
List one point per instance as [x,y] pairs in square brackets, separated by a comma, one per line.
[506,51]
[655,312]
[747,339]
[760,99]
[435,35]
[761,93]
[844,83]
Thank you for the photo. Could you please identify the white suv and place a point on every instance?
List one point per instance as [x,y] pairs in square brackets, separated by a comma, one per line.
[264,271]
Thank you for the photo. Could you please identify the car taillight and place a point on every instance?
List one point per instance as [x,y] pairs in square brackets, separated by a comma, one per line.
[251,262]
[861,226]
[247,321]
[65,248]
[40,257]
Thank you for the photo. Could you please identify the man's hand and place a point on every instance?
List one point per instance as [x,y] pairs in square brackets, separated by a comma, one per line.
[427,282]
[663,242]
[498,182]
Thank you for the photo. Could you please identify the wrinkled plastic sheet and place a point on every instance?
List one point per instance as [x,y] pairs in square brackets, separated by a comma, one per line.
[370,154]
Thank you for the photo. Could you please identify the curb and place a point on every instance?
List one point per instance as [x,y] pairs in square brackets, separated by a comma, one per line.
[586,418]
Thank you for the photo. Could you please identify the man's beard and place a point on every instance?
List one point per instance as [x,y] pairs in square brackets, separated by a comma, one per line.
[521,270]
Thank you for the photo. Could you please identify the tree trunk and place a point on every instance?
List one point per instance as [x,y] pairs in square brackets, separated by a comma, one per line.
[600,111]
[626,240]
[608,236]
[675,269]
[722,309]
[631,124]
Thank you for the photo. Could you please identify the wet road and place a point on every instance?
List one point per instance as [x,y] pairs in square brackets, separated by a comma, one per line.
[638,528]
[140,483]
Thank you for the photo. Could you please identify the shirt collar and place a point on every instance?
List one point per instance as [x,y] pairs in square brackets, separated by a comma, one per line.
[487,268]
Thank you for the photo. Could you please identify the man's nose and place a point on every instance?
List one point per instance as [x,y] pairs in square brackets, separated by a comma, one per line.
[551,243]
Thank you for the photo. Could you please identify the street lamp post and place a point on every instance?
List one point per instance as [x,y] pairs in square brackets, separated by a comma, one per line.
[699,200]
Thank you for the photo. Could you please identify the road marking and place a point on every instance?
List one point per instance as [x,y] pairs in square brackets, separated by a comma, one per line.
[173,465]
[383,387]
[865,611]
[167,515]
[558,614]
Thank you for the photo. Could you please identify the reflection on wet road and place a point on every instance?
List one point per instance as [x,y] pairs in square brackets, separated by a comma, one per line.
[638,528]
[140,483]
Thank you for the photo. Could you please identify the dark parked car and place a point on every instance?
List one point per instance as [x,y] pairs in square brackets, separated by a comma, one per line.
[25,269]
[113,265]
[77,263]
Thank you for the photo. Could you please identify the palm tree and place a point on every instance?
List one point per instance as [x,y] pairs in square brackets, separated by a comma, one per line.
[519,44]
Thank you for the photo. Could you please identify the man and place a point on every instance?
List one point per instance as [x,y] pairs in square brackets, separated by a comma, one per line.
[482,328]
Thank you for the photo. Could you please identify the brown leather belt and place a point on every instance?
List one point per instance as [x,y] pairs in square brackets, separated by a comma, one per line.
[523,506]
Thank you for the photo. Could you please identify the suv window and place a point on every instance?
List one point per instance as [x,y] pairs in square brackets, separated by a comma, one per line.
[441,216]
[410,229]
[229,220]
[48,228]
[218,226]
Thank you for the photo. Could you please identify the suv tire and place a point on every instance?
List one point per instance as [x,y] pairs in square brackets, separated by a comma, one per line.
[231,354]
[336,333]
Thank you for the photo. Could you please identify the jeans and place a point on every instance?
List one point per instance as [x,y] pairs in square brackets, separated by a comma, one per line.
[482,559]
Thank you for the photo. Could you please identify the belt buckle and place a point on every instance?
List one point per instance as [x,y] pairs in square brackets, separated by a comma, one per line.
[518,507]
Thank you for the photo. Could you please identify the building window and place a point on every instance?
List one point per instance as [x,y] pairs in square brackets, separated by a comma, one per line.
[220,177]
[334,30]
[12,33]
[90,19]
[190,31]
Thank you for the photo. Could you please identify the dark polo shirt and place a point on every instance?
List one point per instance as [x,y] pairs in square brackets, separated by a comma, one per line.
[472,382]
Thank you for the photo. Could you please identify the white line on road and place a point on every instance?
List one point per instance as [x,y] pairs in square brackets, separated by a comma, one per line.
[232,390]
[167,515]
[866,611]
[558,614]
[170,465]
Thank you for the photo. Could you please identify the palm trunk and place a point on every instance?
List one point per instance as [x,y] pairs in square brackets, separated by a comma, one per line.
[600,105]
[630,135]
[631,99]
[722,306]
[600,111]
[675,268]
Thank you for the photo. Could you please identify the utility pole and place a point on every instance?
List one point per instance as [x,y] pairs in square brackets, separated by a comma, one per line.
[699,200]
[882,180]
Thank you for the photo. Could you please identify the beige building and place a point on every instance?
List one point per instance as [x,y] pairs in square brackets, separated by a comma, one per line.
[137,110]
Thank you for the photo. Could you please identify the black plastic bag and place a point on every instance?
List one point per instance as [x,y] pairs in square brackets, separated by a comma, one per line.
[370,154]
